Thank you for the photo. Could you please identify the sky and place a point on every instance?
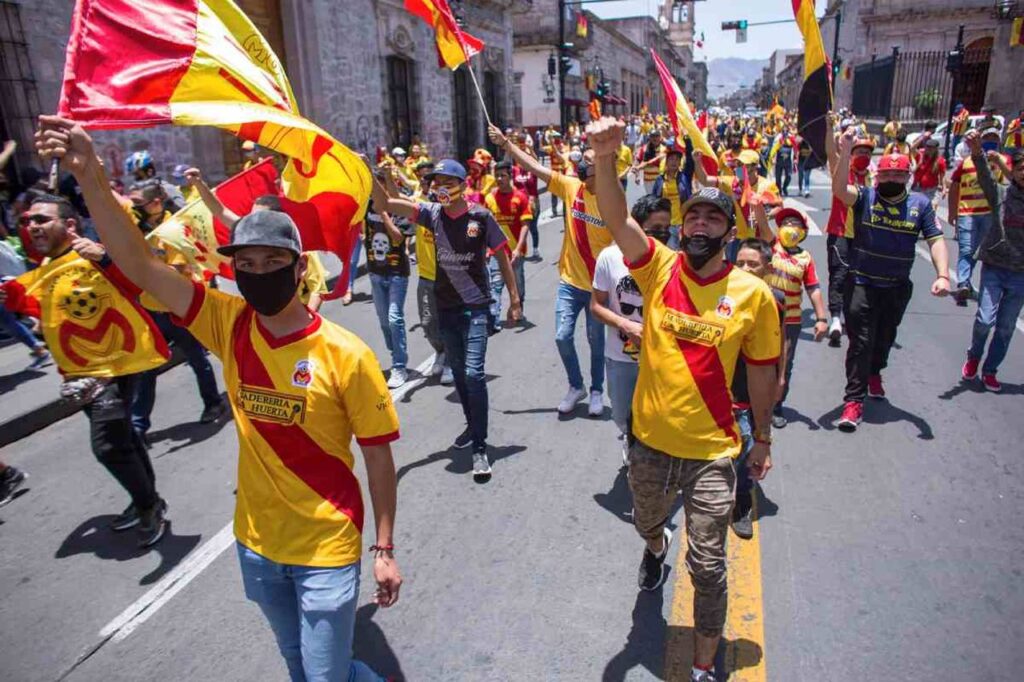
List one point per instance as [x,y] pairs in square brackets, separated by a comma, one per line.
[761,40]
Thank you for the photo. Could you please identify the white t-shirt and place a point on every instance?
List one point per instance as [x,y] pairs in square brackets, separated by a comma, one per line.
[612,276]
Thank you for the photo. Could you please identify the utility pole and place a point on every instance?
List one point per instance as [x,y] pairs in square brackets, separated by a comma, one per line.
[954,60]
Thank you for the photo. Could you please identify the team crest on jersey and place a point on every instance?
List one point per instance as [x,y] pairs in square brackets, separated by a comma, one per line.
[472,229]
[302,377]
[725,307]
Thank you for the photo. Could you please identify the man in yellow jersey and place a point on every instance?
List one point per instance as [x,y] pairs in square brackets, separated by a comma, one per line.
[700,315]
[624,163]
[558,153]
[676,185]
[971,213]
[584,239]
[648,160]
[746,181]
[300,388]
[512,210]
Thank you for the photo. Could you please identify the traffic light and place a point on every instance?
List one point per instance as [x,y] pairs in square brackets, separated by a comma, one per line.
[740,25]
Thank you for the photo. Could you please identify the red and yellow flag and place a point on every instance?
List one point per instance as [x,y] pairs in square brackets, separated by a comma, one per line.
[816,92]
[202,62]
[1017,32]
[594,108]
[681,117]
[582,26]
[454,46]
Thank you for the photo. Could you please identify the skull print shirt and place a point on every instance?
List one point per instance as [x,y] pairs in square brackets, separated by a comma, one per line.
[383,256]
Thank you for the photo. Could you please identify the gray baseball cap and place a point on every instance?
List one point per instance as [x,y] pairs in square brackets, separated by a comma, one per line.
[715,197]
[264,228]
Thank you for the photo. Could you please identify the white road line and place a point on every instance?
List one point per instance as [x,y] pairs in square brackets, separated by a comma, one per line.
[812,229]
[196,562]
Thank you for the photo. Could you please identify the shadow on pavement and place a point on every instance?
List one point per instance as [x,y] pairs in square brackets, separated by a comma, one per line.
[879,412]
[794,416]
[764,507]
[94,536]
[453,396]
[371,646]
[975,387]
[618,500]
[9,382]
[665,651]
[460,461]
[187,434]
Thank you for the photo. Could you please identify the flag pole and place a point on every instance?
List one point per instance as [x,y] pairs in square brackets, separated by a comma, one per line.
[478,93]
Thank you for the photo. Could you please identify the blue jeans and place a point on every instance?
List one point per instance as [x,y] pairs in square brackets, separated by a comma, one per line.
[569,302]
[498,286]
[389,300]
[354,263]
[534,232]
[970,230]
[745,421]
[195,355]
[10,323]
[999,303]
[312,612]
[803,176]
[464,332]
[621,384]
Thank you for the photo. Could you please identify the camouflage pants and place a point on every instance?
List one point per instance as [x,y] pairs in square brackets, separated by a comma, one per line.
[708,488]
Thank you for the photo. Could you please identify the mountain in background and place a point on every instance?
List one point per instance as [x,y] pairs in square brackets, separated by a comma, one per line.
[726,75]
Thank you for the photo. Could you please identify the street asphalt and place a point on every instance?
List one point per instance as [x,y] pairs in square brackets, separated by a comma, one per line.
[890,553]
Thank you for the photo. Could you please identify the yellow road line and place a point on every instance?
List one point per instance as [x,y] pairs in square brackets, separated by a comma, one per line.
[744,626]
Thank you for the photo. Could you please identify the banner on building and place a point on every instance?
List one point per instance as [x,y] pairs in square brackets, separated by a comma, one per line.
[454,46]
[203,62]
[582,28]
[815,99]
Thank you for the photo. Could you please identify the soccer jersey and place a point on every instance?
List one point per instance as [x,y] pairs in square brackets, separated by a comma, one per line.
[315,281]
[733,186]
[585,233]
[623,160]
[886,236]
[512,211]
[694,331]
[670,191]
[972,198]
[929,172]
[92,321]
[841,218]
[791,274]
[297,400]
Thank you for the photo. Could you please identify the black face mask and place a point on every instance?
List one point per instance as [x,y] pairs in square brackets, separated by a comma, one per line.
[700,249]
[583,170]
[660,235]
[268,292]
[891,190]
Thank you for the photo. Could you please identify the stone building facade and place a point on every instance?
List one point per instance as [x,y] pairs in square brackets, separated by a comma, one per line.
[367,73]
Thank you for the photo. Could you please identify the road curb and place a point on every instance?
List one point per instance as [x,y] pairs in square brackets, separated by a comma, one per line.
[38,418]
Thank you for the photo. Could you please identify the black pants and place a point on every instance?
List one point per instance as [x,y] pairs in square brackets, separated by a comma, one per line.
[838,267]
[783,172]
[116,444]
[873,314]
[792,335]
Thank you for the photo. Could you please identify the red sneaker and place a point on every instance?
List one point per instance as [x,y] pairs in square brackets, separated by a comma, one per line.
[990,383]
[852,414]
[875,388]
[970,369]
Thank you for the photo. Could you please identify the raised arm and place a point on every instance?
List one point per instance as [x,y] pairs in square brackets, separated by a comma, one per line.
[521,158]
[386,200]
[702,175]
[194,177]
[7,152]
[65,140]
[841,189]
[605,136]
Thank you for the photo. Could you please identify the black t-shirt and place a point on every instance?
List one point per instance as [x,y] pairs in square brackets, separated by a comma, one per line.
[383,256]
[740,387]
[461,244]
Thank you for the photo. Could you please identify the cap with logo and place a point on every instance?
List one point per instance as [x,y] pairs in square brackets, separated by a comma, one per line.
[264,228]
[449,167]
[790,212]
[715,197]
[894,162]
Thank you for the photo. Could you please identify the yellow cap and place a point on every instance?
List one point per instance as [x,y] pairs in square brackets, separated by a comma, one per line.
[749,157]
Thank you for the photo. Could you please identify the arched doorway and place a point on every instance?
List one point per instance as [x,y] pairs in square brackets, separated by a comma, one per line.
[969,88]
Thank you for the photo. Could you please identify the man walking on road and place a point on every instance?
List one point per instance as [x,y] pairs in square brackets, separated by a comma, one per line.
[700,314]
[889,220]
[300,388]
[463,234]
[585,237]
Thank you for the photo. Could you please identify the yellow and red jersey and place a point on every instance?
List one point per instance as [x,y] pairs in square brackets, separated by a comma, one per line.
[298,400]
[92,321]
[733,186]
[972,198]
[511,211]
[791,274]
[585,232]
[556,153]
[841,219]
[1014,135]
[694,331]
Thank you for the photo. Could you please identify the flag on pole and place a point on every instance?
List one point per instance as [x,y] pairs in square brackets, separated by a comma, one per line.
[582,27]
[454,46]
[594,109]
[681,118]
[816,92]
[203,62]
[1017,32]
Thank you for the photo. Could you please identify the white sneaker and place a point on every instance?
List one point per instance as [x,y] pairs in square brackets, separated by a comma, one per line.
[571,398]
[596,406]
[438,366]
[399,376]
[447,378]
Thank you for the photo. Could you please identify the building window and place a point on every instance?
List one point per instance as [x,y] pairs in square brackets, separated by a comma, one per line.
[19,99]
[462,118]
[400,100]
[492,97]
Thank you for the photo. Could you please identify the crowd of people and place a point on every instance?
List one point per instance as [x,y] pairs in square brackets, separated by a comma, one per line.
[692,299]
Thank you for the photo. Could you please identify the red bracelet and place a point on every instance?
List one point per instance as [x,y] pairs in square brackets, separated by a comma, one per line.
[382,548]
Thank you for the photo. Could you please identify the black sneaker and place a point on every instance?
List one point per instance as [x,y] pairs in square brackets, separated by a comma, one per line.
[464,440]
[213,412]
[152,525]
[742,518]
[703,676]
[481,465]
[779,421]
[10,480]
[652,568]
[129,518]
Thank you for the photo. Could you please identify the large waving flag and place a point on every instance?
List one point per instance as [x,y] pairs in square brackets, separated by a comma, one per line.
[682,118]
[454,46]
[202,62]
[816,92]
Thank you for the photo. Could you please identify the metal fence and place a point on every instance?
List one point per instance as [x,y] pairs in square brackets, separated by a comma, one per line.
[915,86]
